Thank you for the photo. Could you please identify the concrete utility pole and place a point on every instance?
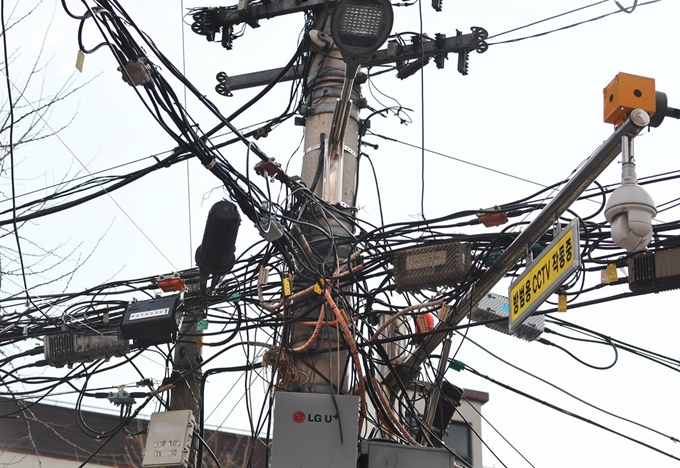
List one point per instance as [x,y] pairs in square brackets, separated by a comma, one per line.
[334,179]
[188,357]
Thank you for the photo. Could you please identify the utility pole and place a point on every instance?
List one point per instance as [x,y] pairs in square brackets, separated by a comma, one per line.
[215,258]
[188,355]
[333,179]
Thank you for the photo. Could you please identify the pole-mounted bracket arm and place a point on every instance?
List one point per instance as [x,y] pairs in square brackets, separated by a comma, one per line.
[461,44]
[208,21]
[476,40]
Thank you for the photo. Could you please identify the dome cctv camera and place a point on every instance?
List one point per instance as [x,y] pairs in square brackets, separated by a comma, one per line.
[630,211]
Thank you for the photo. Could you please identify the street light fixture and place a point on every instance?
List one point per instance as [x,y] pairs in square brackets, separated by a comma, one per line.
[358,28]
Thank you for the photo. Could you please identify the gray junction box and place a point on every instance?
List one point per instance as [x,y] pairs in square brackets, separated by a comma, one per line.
[382,454]
[307,431]
[168,443]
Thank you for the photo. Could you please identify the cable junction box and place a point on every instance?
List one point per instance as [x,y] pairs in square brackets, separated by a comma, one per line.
[431,266]
[495,306]
[168,442]
[654,271]
[387,454]
[307,430]
[65,349]
[152,322]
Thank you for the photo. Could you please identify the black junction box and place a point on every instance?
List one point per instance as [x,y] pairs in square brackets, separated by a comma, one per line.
[152,322]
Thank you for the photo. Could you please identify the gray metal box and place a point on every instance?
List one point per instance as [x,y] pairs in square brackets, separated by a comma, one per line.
[307,431]
[494,306]
[431,266]
[68,348]
[168,443]
[389,455]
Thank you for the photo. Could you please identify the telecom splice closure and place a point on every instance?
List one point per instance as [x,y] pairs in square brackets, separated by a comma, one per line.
[215,256]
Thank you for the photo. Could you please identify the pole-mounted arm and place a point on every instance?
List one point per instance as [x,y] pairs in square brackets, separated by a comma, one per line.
[461,44]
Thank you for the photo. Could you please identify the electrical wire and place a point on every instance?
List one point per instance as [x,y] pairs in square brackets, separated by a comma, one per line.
[573,25]
[571,414]
[349,260]
[581,400]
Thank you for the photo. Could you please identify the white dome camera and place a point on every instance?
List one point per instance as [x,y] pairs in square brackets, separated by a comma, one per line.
[630,211]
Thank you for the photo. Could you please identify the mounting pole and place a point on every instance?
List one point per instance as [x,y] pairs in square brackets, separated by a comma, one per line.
[330,173]
[188,356]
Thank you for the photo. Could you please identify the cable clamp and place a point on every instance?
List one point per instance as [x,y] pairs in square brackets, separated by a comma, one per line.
[210,165]
[349,150]
[312,148]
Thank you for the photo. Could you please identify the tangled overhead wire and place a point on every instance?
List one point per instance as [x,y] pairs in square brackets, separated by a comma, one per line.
[341,268]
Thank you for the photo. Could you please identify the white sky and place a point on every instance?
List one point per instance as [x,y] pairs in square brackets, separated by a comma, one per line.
[532,109]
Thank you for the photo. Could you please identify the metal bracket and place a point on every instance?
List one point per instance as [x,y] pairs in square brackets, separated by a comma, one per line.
[222,86]
[328,108]
[320,146]
[211,19]
[461,44]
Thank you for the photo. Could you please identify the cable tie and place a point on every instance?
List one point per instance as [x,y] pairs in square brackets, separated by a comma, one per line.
[211,164]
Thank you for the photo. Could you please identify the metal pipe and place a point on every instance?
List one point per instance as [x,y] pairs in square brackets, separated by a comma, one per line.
[436,392]
[628,175]
[341,115]
[597,162]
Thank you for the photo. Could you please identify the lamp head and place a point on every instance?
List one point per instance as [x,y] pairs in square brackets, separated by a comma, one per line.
[359,28]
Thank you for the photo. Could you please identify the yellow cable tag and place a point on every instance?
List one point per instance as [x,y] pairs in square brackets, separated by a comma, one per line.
[80,61]
[318,287]
[199,341]
[562,303]
[286,287]
[612,275]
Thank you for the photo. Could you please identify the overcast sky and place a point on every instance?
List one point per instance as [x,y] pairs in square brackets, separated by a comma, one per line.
[532,109]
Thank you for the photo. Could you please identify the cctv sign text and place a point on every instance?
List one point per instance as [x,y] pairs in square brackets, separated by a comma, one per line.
[548,272]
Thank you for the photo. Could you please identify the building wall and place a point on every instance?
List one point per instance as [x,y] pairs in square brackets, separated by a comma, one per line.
[51,432]
[473,418]
[11,459]
[465,410]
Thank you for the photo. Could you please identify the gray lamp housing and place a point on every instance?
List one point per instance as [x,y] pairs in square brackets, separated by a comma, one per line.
[359,28]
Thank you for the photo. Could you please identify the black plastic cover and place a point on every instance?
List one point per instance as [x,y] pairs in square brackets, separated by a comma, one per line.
[152,322]
[215,255]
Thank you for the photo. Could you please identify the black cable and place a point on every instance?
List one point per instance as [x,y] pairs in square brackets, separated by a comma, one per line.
[10,145]
[203,443]
[627,10]
[569,26]
[569,413]
[101,446]
[671,363]
[616,354]
[480,438]
[479,413]
[395,140]
[534,23]
[556,387]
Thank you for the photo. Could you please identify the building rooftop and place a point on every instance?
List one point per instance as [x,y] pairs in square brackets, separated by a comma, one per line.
[51,431]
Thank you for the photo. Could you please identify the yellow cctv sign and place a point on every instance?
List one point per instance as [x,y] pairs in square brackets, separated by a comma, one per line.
[548,271]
